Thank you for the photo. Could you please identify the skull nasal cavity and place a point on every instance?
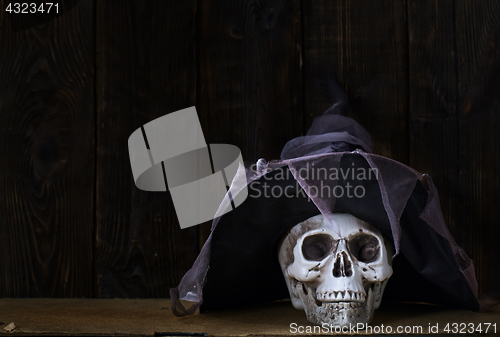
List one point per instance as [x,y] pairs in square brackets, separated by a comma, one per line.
[342,266]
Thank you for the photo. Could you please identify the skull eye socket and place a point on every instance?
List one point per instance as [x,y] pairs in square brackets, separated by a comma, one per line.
[317,247]
[365,248]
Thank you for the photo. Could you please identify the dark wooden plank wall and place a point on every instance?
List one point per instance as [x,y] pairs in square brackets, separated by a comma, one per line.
[454,121]
[434,144]
[368,56]
[145,69]
[478,105]
[422,77]
[250,84]
[47,150]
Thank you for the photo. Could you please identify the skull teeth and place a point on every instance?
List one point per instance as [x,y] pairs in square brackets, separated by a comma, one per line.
[344,305]
[342,296]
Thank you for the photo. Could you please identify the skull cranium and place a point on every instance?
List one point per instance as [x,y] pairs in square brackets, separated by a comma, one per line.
[338,280]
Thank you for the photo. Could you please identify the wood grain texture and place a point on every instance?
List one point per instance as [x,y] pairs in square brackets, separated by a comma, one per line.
[146,69]
[47,150]
[250,88]
[433,99]
[454,87]
[365,44]
[478,104]
[250,74]
[423,77]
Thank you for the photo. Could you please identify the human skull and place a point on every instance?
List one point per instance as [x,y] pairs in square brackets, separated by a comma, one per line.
[337,280]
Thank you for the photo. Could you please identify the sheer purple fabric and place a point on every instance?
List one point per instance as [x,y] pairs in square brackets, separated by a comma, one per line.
[432,209]
[191,286]
[396,182]
[311,159]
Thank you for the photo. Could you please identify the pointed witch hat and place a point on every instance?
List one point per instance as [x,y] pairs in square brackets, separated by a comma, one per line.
[238,264]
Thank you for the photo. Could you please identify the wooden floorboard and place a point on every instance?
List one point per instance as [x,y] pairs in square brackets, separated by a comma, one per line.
[77,317]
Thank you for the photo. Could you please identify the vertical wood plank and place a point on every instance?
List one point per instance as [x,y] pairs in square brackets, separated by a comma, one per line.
[478,53]
[365,44]
[47,150]
[454,67]
[433,95]
[250,75]
[146,69]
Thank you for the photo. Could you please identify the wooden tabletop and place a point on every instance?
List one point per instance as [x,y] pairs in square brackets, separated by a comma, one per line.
[153,317]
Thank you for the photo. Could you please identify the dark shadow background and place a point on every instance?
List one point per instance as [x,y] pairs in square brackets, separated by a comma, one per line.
[423,77]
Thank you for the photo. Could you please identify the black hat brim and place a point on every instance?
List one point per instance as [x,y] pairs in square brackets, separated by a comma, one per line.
[244,268]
